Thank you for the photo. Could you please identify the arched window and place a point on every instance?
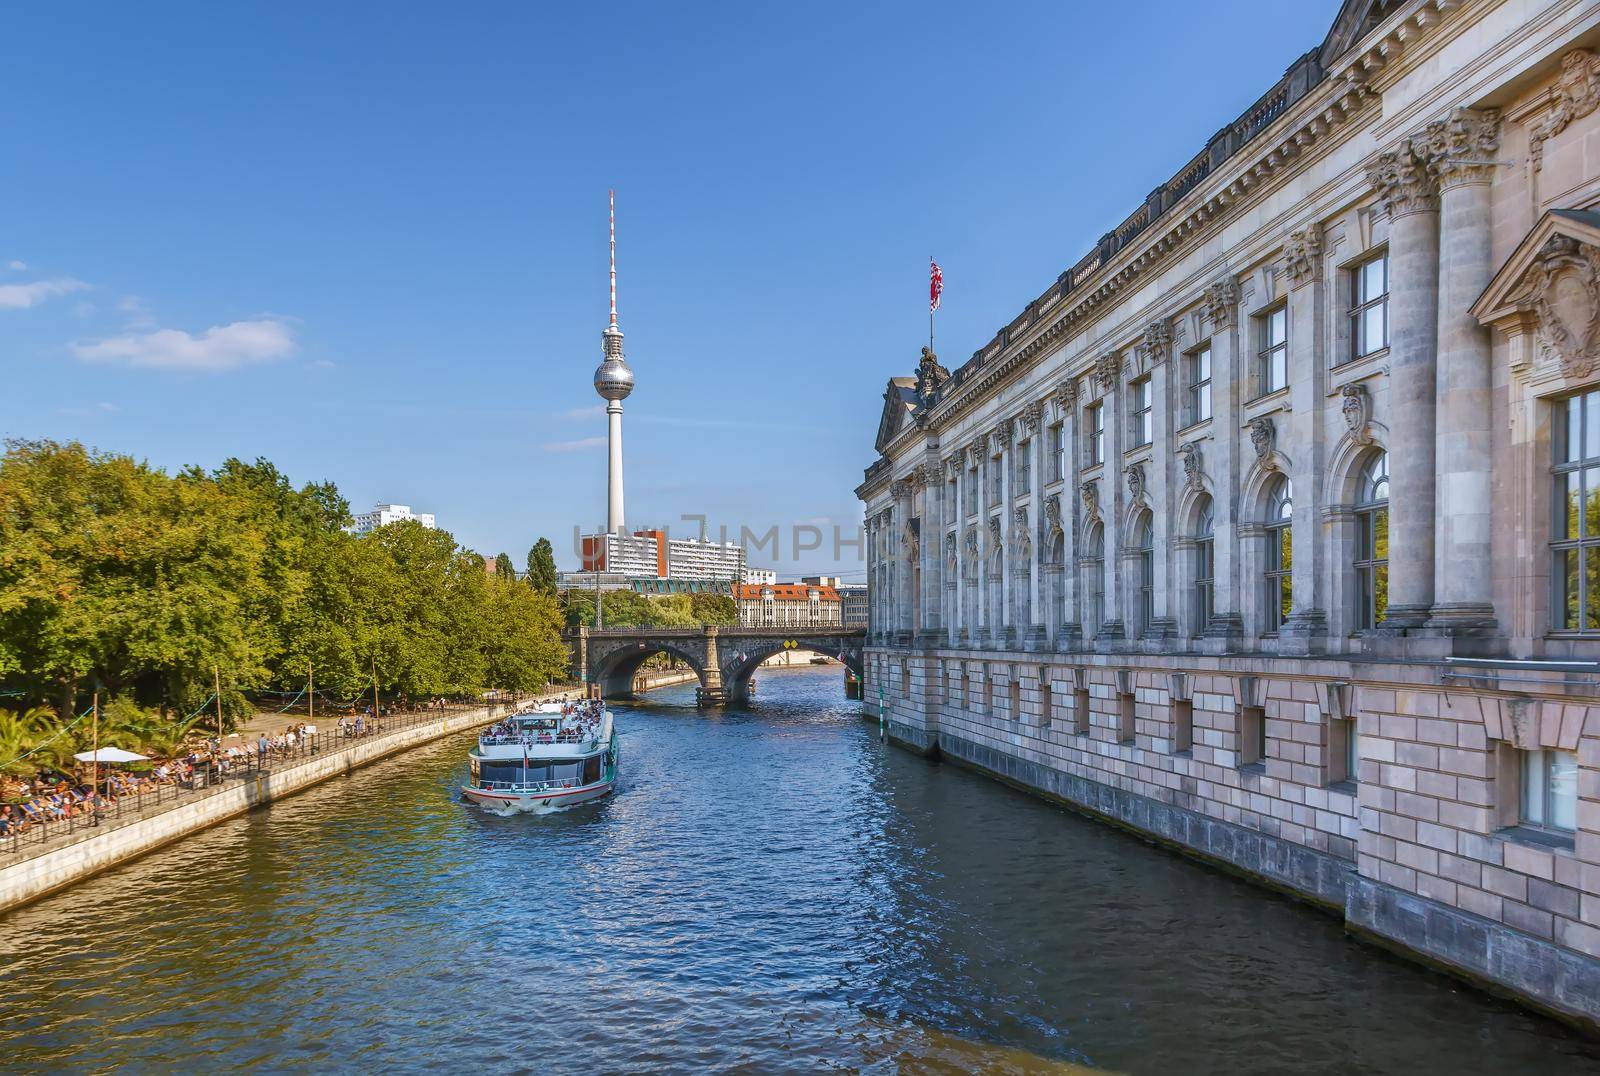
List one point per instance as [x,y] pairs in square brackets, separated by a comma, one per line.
[1094,578]
[1144,551]
[1205,568]
[1280,556]
[1372,543]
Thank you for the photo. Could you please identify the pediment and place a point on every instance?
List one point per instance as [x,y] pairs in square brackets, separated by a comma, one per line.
[899,401]
[1548,291]
[1356,19]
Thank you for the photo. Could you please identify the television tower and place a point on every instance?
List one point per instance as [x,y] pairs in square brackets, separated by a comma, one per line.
[613,381]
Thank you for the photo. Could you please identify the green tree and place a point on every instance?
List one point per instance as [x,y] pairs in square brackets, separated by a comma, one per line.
[542,567]
[503,566]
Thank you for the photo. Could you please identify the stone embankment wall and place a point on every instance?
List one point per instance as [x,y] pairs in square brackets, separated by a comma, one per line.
[96,851]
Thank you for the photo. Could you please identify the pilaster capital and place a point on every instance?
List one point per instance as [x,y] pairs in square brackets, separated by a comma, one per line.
[1066,396]
[1403,182]
[1134,473]
[1221,302]
[1302,255]
[1157,341]
[1108,368]
[1030,417]
[1575,95]
[1004,433]
[1460,149]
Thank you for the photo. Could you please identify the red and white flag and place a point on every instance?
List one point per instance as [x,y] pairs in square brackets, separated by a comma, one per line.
[935,285]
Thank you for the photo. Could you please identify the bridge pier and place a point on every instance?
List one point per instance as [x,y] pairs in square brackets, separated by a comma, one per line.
[712,691]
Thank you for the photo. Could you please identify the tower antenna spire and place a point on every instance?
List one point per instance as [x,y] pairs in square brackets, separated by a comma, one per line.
[613,196]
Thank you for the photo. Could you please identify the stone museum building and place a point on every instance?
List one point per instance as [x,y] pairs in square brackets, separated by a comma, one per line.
[1270,528]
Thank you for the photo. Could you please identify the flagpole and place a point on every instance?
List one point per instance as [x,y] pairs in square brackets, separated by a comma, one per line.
[931,309]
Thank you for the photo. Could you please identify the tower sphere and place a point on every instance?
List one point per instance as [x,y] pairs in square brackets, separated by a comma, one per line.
[613,380]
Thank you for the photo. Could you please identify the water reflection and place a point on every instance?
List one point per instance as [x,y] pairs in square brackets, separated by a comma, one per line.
[770,890]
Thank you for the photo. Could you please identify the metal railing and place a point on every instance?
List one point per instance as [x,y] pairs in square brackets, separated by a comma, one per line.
[211,775]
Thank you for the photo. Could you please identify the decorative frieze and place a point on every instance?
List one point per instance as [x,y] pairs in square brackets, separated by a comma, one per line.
[1089,492]
[1302,255]
[1193,475]
[1264,439]
[1575,95]
[1356,406]
[1564,287]
[1134,473]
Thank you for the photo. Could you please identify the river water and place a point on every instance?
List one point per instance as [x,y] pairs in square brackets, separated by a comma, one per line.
[770,890]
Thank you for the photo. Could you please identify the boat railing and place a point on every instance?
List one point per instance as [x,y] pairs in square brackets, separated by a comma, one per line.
[532,786]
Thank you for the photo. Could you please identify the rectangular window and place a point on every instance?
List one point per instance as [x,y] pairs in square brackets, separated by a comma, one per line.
[1139,412]
[952,505]
[905,680]
[1198,368]
[1575,523]
[1550,789]
[1343,751]
[1252,736]
[1016,699]
[1023,453]
[1046,699]
[1182,726]
[1125,717]
[988,692]
[1369,306]
[972,492]
[1055,452]
[945,683]
[1272,350]
[997,480]
[966,688]
[1094,434]
[1080,711]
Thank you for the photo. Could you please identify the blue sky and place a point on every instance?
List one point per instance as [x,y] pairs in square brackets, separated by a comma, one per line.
[367,241]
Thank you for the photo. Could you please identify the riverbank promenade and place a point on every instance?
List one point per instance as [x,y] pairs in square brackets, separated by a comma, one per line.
[270,763]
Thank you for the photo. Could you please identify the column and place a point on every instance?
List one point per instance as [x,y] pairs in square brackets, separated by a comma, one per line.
[1228,378]
[1158,347]
[1069,634]
[1113,495]
[1307,627]
[1006,622]
[1459,148]
[1404,185]
[1037,634]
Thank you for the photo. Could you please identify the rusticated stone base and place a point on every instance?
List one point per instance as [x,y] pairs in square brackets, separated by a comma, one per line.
[1501,960]
[1302,872]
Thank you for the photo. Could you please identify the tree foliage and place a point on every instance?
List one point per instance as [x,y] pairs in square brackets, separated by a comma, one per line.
[630,609]
[148,587]
[542,567]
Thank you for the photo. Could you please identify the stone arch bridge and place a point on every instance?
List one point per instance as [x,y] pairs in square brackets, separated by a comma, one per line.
[723,658]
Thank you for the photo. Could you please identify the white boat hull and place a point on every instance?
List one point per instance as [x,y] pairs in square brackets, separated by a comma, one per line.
[539,801]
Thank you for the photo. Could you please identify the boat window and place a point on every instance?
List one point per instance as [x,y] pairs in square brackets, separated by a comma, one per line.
[591,770]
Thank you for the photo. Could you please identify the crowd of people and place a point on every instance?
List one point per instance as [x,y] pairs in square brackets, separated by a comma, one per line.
[580,720]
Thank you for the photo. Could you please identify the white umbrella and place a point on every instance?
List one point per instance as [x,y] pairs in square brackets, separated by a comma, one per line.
[110,754]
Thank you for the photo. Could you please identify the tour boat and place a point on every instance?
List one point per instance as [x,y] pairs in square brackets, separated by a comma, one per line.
[554,756]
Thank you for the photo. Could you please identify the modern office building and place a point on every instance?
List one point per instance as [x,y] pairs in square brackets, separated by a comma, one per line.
[1265,527]
[384,514]
[650,554]
[760,576]
[853,605]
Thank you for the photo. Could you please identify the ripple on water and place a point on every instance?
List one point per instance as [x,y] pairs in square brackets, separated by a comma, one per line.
[770,890]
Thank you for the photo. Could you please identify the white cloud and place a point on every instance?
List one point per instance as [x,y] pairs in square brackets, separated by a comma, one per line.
[221,347]
[575,446]
[22,296]
[101,408]
[16,266]
[138,315]
[585,412]
[321,364]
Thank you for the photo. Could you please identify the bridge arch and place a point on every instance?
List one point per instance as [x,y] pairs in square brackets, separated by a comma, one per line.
[614,669]
[739,664]
[723,659]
